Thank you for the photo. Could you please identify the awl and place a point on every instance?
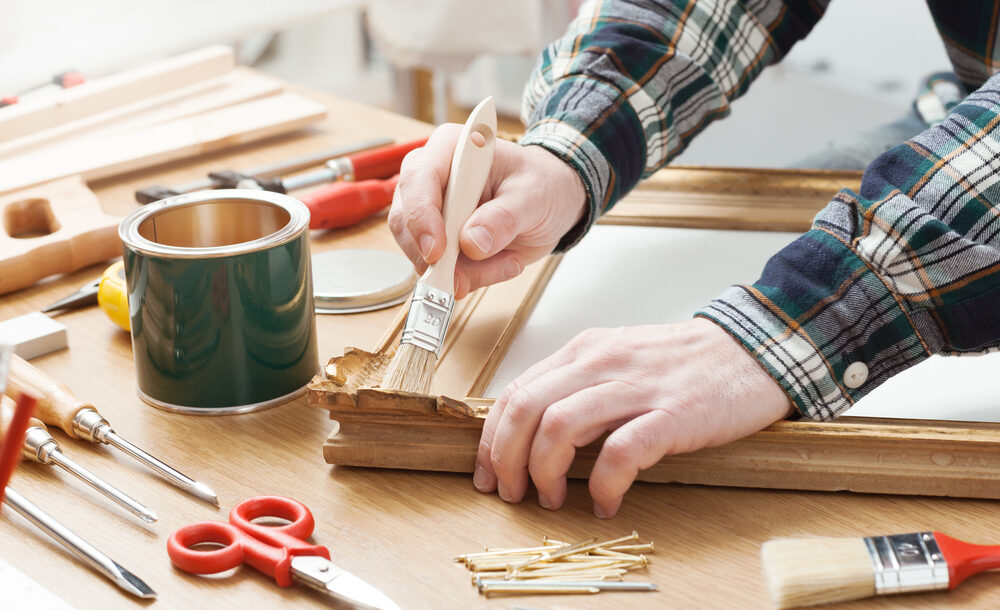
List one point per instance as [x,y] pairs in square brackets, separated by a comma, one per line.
[261,173]
[57,406]
[39,446]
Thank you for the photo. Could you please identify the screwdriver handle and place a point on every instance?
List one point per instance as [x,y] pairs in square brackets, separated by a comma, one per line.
[381,162]
[57,405]
[342,204]
[7,407]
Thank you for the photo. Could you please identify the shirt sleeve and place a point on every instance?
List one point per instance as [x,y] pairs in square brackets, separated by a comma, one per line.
[632,82]
[908,267]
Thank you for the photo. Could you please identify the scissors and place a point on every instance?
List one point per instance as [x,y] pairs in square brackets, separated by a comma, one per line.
[278,551]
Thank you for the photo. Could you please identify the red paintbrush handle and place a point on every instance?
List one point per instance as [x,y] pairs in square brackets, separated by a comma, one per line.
[342,204]
[382,162]
[966,559]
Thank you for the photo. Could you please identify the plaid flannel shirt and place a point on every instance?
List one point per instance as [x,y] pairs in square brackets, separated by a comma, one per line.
[908,267]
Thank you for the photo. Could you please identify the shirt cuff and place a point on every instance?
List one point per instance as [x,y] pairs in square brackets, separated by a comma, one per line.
[822,323]
[586,123]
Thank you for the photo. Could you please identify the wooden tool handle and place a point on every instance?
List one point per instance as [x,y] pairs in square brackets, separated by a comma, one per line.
[7,407]
[56,403]
[469,168]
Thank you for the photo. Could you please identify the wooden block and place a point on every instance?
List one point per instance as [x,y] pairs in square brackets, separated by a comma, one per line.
[113,91]
[240,85]
[52,228]
[119,152]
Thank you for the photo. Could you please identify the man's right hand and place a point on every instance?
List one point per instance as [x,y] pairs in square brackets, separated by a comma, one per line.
[531,199]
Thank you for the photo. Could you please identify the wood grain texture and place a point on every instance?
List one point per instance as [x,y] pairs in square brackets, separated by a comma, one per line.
[102,156]
[397,529]
[120,89]
[57,227]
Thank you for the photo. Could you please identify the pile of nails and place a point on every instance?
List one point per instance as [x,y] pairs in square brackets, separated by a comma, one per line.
[558,567]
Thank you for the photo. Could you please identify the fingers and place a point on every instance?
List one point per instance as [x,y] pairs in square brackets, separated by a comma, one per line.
[470,274]
[415,215]
[496,223]
[636,445]
[575,421]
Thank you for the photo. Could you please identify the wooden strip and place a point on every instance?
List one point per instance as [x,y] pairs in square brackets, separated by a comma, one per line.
[241,85]
[113,91]
[100,157]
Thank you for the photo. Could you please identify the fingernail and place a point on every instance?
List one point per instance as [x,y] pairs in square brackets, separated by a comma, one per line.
[502,490]
[481,479]
[511,269]
[482,238]
[599,512]
[543,500]
[426,245]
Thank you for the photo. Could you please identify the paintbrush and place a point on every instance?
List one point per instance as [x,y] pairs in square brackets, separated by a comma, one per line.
[412,366]
[813,571]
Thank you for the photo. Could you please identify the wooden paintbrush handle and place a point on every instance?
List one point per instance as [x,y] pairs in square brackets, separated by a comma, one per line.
[469,168]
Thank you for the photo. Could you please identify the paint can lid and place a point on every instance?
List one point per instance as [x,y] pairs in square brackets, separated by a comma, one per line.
[352,281]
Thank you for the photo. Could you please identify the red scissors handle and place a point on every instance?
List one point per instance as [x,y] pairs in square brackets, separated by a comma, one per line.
[268,549]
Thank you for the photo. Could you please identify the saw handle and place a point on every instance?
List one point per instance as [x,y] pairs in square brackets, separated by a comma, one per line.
[470,167]
[56,403]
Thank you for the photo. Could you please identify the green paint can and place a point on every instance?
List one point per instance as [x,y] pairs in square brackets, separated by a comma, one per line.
[220,300]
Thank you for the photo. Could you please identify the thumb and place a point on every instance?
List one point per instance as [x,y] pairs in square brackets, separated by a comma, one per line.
[496,223]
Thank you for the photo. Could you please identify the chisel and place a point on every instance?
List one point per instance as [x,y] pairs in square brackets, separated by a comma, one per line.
[258,173]
[57,406]
[39,446]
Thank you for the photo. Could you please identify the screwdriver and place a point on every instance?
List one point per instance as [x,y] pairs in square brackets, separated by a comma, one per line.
[343,204]
[376,163]
[58,406]
[39,446]
[78,546]
[259,173]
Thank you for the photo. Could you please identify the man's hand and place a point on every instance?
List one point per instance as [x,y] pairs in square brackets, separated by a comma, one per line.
[659,390]
[531,199]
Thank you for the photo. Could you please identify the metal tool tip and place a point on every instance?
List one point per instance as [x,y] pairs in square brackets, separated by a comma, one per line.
[132,583]
[205,493]
[148,516]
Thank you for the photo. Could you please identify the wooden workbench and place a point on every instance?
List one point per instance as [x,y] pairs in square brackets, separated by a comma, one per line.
[398,530]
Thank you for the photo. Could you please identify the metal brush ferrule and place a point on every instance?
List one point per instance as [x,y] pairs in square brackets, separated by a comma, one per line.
[428,318]
[905,563]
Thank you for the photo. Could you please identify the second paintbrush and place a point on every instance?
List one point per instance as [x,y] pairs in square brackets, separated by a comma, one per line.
[412,366]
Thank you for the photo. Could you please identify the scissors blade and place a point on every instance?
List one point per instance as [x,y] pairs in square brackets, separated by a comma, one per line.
[321,574]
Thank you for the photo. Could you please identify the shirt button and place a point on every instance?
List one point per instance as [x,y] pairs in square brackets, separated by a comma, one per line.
[855,375]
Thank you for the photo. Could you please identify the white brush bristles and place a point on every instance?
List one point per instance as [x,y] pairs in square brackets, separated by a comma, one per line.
[411,370]
[813,571]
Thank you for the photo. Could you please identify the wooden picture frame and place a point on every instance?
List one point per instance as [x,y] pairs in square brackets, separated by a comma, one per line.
[376,428]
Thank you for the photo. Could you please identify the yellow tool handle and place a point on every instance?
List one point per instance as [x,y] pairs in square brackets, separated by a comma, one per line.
[56,403]
[112,295]
[7,407]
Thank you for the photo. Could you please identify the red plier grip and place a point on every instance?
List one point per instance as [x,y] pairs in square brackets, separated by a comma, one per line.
[343,204]
[382,162]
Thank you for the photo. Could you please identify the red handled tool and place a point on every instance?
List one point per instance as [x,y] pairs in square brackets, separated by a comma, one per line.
[63,80]
[279,551]
[380,162]
[342,204]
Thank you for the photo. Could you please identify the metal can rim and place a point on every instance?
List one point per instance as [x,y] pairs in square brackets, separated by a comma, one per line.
[298,222]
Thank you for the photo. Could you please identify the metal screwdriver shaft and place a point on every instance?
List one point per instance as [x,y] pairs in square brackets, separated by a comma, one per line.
[78,546]
[39,446]
[58,406]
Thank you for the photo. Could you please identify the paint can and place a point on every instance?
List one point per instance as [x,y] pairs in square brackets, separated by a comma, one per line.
[220,300]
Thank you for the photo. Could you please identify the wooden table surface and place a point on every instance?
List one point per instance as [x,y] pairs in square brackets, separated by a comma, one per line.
[396,529]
